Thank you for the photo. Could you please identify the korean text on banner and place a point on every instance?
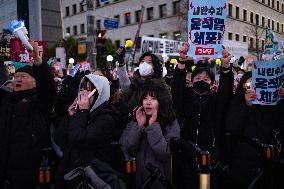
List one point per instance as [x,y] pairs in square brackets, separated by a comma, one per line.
[206,27]
[20,54]
[267,81]
[160,46]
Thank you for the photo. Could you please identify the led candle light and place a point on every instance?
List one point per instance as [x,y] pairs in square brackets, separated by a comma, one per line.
[92,93]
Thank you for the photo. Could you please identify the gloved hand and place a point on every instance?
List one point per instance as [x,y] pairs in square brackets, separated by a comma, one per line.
[120,53]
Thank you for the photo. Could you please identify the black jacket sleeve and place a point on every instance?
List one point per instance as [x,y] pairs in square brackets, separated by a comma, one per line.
[45,86]
[178,92]
[82,134]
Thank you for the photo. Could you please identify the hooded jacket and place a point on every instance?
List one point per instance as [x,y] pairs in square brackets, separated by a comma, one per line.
[88,133]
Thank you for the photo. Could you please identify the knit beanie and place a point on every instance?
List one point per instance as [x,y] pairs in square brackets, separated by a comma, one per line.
[27,69]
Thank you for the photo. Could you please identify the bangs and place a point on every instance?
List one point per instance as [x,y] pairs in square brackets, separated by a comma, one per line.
[151,92]
[87,85]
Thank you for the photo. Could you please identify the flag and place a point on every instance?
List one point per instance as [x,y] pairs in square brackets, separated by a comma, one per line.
[271,42]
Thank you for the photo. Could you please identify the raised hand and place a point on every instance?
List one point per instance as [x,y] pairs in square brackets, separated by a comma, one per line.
[72,108]
[84,101]
[225,60]
[183,51]
[140,117]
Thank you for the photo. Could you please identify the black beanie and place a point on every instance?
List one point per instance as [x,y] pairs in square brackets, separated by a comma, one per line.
[27,69]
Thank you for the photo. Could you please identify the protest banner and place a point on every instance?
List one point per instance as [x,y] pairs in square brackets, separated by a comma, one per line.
[267,80]
[20,54]
[206,27]
[237,79]
[160,46]
[5,51]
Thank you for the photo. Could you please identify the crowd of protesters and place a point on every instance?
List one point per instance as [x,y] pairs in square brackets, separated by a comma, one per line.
[105,130]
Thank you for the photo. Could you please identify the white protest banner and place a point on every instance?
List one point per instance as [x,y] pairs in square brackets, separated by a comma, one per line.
[60,54]
[236,48]
[267,80]
[206,27]
[160,46]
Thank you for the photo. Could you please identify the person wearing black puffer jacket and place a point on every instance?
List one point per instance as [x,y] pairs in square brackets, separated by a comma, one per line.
[250,126]
[200,114]
[24,121]
[87,132]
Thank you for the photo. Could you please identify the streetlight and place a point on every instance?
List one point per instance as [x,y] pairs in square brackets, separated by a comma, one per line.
[71,61]
[109,62]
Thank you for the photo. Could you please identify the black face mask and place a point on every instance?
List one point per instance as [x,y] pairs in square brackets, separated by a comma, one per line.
[201,87]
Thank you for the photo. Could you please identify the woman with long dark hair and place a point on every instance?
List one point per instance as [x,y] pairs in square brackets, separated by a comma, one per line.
[147,136]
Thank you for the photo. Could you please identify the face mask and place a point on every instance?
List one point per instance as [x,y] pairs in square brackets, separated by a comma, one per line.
[145,69]
[201,87]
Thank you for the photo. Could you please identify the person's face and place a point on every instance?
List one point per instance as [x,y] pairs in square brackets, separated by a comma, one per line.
[24,81]
[148,59]
[150,104]
[202,76]
[188,80]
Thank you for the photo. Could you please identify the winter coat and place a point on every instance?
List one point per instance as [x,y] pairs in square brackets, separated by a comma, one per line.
[245,123]
[24,129]
[87,134]
[134,89]
[202,120]
[150,145]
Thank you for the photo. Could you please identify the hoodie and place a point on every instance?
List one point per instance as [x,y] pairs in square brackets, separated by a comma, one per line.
[102,85]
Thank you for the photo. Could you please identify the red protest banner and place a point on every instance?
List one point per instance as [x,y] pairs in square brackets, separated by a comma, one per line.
[20,54]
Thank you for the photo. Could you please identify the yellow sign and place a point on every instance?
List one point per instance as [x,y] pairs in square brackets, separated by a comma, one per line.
[82,48]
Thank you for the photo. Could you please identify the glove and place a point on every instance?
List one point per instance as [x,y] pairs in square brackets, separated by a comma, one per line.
[120,53]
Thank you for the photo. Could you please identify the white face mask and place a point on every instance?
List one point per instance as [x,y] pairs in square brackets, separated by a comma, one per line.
[145,69]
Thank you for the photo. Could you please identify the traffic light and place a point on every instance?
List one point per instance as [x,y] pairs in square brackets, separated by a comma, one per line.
[101,36]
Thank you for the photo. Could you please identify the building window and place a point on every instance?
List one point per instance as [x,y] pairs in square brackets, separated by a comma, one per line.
[82,28]
[177,35]
[150,35]
[263,21]
[127,18]
[176,7]
[150,13]
[272,25]
[251,43]
[257,19]
[251,17]
[75,31]
[163,10]
[237,37]
[244,39]
[67,13]
[98,4]
[282,8]
[98,24]
[268,22]
[237,12]
[263,1]
[273,4]
[245,15]
[137,16]
[268,2]
[117,43]
[230,36]
[74,8]
[68,30]
[282,28]
[230,10]
[164,35]
[277,27]
[278,5]
[81,7]
[117,17]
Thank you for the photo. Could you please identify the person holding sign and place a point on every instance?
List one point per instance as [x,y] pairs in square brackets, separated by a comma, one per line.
[254,140]
[200,112]
[24,131]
